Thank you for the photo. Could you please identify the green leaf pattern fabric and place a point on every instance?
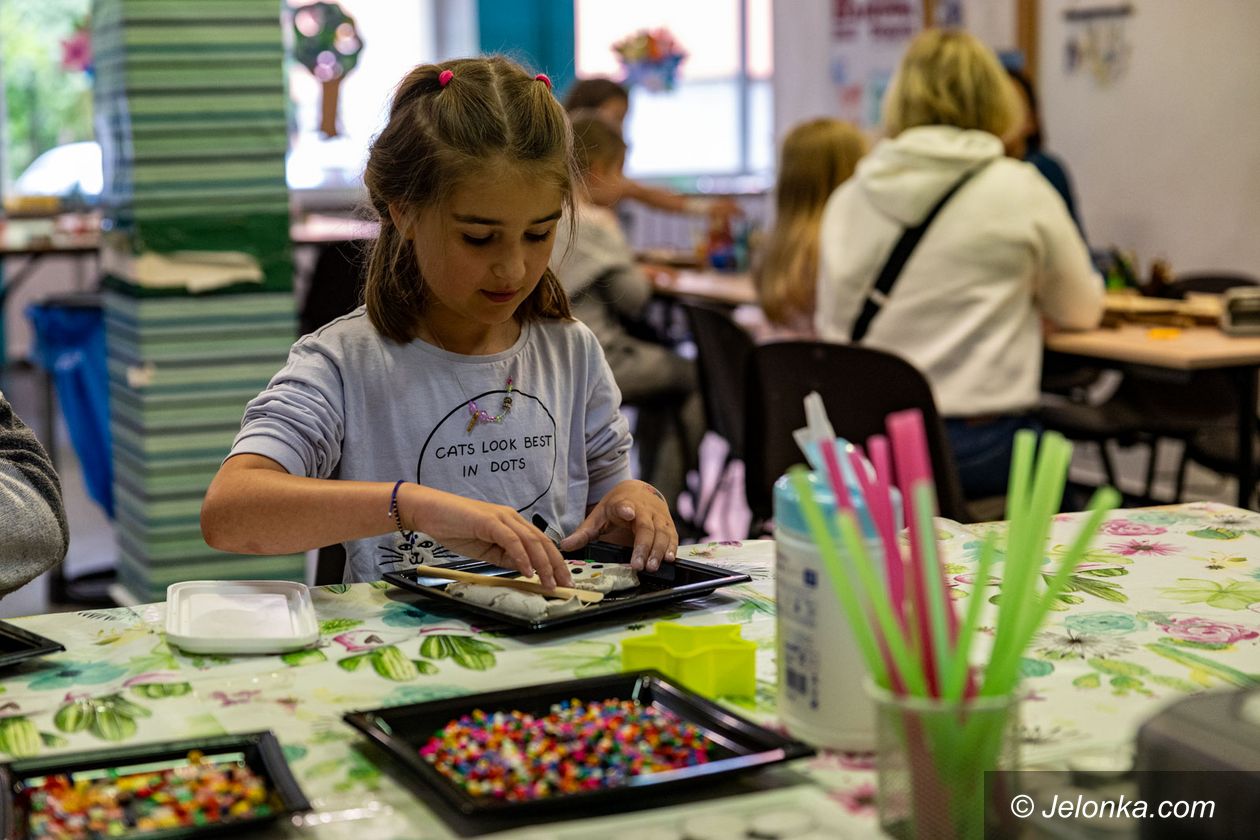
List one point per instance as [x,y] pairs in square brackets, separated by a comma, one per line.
[1135,631]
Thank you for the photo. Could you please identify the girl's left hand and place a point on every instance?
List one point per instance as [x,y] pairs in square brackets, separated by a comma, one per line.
[633,511]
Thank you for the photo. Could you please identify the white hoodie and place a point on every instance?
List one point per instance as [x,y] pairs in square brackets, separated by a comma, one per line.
[965,310]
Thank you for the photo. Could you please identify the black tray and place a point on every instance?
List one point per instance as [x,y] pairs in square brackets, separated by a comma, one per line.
[18,645]
[262,753]
[741,745]
[672,582]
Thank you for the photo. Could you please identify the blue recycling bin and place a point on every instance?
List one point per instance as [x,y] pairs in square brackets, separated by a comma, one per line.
[70,346]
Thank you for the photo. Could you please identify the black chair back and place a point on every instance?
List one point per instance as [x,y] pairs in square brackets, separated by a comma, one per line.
[722,349]
[860,387]
[336,285]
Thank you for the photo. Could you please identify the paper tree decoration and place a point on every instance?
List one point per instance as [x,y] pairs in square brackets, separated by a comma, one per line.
[328,44]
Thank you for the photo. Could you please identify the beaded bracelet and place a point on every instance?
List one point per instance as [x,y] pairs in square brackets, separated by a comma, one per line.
[393,508]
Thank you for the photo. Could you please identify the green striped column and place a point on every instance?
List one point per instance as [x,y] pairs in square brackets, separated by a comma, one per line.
[190,113]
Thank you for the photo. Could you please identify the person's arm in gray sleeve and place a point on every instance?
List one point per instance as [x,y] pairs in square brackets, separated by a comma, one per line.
[34,535]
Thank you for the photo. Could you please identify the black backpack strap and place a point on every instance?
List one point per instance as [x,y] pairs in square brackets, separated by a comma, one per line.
[897,261]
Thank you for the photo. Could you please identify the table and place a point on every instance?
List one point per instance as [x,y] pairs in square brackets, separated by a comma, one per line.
[319,229]
[1165,605]
[19,238]
[1190,349]
[708,286]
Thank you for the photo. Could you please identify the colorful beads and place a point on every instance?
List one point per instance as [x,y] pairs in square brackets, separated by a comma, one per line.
[480,415]
[113,803]
[577,747]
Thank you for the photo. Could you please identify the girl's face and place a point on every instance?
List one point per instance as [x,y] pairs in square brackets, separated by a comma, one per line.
[482,253]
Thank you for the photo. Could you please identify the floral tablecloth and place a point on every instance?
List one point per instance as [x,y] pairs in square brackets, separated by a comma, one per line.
[1166,604]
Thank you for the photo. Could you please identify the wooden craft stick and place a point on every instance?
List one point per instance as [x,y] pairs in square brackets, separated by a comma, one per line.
[584,595]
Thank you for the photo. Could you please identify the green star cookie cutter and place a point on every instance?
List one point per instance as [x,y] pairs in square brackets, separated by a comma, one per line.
[711,660]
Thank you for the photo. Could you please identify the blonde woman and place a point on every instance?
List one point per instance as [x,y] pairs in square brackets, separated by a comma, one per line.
[817,157]
[998,251]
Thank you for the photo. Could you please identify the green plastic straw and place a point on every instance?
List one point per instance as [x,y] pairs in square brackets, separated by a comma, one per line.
[1003,669]
[908,667]
[835,570]
[956,679]
[1026,540]
[1016,509]
[1021,473]
[924,504]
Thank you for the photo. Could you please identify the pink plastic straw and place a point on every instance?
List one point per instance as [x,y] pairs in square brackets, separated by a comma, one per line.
[881,459]
[838,487]
[843,502]
[880,506]
[909,445]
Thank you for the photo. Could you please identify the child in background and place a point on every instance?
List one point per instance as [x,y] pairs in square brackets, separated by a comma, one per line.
[597,268]
[818,156]
[462,401]
[611,101]
[1026,143]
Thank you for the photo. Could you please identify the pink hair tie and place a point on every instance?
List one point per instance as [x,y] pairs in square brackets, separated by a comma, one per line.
[544,78]
[444,78]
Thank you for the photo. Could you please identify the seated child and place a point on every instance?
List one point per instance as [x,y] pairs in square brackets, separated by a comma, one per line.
[818,156]
[596,267]
[462,401]
[611,101]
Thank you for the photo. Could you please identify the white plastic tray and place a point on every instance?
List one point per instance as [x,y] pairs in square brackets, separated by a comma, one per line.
[248,616]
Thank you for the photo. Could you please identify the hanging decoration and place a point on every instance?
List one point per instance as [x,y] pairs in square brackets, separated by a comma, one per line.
[651,59]
[1098,41]
[328,44]
[76,50]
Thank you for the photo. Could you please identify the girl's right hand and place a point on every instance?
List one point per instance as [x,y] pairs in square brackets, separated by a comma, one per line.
[494,533]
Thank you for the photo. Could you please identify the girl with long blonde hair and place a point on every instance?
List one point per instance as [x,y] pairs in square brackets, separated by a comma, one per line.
[817,157]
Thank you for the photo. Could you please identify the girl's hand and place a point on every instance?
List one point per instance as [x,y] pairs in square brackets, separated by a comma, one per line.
[494,533]
[632,512]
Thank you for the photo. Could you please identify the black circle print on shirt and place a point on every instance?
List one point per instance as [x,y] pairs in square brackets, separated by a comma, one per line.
[509,463]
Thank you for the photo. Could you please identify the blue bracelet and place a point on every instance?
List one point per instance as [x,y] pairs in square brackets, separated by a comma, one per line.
[392,513]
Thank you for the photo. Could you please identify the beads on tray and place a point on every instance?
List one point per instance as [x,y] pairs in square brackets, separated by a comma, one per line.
[197,792]
[576,747]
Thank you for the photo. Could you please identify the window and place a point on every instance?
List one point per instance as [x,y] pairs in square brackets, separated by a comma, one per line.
[718,120]
[396,37]
[46,103]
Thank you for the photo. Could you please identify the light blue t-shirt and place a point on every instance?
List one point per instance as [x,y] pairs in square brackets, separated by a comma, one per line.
[354,405]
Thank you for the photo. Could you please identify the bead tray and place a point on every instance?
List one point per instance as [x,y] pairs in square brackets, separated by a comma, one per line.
[18,645]
[261,752]
[736,745]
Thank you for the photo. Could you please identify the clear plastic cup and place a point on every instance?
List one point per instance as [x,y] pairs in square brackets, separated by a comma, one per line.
[935,758]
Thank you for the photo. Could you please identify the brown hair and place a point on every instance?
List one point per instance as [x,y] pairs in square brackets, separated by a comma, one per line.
[595,140]
[593,92]
[817,157]
[490,110]
[948,77]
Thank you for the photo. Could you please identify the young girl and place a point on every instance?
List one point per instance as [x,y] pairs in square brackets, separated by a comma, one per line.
[817,157]
[462,403]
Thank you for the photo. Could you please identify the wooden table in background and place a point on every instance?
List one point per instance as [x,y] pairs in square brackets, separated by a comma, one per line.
[1191,349]
[709,287]
[318,229]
